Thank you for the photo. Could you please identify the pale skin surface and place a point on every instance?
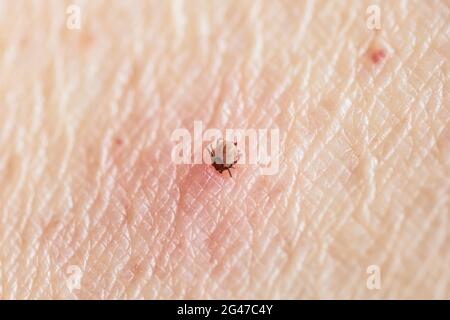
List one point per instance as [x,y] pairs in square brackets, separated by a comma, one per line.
[86,177]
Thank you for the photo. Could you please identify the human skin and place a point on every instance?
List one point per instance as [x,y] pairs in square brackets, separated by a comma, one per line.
[87,180]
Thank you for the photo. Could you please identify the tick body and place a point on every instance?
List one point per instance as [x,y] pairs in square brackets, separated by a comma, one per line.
[224,155]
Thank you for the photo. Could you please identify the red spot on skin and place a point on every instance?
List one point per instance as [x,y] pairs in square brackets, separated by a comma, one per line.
[86,40]
[118,141]
[377,56]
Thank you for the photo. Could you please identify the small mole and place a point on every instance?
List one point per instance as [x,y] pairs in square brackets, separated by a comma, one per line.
[377,56]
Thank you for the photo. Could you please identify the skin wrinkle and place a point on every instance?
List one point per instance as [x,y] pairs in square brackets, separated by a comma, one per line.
[131,166]
[253,238]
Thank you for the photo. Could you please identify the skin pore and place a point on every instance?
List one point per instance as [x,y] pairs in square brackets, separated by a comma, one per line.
[87,183]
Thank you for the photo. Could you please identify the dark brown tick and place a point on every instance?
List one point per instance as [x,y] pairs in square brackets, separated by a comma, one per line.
[224,155]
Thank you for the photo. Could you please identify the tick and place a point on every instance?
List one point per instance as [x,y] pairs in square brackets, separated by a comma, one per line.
[224,155]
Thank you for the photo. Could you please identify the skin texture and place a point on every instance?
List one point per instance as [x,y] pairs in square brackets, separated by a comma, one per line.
[86,177]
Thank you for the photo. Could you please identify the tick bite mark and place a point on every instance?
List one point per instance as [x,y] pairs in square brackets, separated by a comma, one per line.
[118,141]
[378,55]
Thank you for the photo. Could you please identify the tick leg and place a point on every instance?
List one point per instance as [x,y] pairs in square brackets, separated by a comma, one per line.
[229,172]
